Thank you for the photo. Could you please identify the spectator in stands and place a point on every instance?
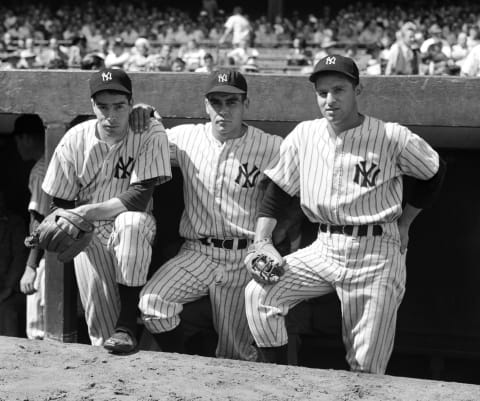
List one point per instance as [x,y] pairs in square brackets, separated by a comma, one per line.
[241,53]
[300,55]
[238,26]
[250,66]
[371,34]
[265,36]
[404,57]
[13,257]
[140,58]
[55,56]
[460,49]
[436,60]
[435,37]
[208,64]
[472,39]
[129,34]
[178,65]
[471,64]
[77,51]
[192,54]
[28,55]
[92,61]
[118,56]
[374,61]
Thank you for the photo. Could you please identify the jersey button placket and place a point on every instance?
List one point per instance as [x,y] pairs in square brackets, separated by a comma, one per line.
[337,178]
[218,185]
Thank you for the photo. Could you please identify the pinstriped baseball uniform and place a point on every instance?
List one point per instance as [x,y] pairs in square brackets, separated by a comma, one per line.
[39,202]
[222,195]
[353,178]
[88,170]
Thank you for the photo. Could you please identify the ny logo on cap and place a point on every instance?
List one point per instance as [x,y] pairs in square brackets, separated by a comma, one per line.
[106,76]
[222,78]
[330,60]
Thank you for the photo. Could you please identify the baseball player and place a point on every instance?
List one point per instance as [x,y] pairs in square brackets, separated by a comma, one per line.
[347,169]
[109,173]
[29,135]
[222,164]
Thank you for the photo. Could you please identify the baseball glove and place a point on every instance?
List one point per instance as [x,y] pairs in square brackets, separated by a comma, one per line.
[264,262]
[63,232]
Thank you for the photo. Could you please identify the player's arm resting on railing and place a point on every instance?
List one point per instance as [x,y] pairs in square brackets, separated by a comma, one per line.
[274,203]
[135,198]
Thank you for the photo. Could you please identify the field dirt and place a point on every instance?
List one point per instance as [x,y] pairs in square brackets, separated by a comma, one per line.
[49,370]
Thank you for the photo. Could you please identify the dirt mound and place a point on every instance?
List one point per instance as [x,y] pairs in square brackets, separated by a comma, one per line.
[48,370]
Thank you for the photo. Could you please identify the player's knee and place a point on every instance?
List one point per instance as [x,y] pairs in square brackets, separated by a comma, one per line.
[131,220]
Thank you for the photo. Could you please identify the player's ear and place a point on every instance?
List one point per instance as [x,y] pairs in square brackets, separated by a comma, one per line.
[206,105]
[358,89]
[246,102]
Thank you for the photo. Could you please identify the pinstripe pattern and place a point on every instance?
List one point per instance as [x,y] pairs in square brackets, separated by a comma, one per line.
[108,261]
[222,196]
[321,167]
[87,170]
[196,271]
[350,178]
[215,205]
[368,275]
[39,202]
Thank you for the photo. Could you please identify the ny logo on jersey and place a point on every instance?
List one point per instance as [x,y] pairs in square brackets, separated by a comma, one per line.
[330,60]
[246,178]
[106,76]
[222,78]
[364,176]
[123,170]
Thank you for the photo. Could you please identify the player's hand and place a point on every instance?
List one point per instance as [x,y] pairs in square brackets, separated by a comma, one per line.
[403,229]
[140,117]
[27,281]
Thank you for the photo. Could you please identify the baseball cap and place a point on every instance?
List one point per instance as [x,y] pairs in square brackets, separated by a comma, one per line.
[226,81]
[336,63]
[110,79]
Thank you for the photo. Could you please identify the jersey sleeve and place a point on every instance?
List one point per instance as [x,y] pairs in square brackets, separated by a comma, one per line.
[284,171]
[417,158]
[60,179]
[39,201]
[172,135]
[153,161]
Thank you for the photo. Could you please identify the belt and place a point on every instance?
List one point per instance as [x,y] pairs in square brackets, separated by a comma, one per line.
[232,243]
[358,231]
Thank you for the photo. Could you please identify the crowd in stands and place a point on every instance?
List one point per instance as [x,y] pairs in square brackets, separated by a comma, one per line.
[430,38]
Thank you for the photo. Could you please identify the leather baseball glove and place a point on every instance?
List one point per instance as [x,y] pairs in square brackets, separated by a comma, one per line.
[63,232]
[264,262]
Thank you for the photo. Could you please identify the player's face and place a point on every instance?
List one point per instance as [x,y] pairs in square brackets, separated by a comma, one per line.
[24,146]
[226,112]
[337,99]
[112,110]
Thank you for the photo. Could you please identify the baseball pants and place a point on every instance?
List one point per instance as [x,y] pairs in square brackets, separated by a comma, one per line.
[35,325]
[367,273]
[119,253]
[196,271]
